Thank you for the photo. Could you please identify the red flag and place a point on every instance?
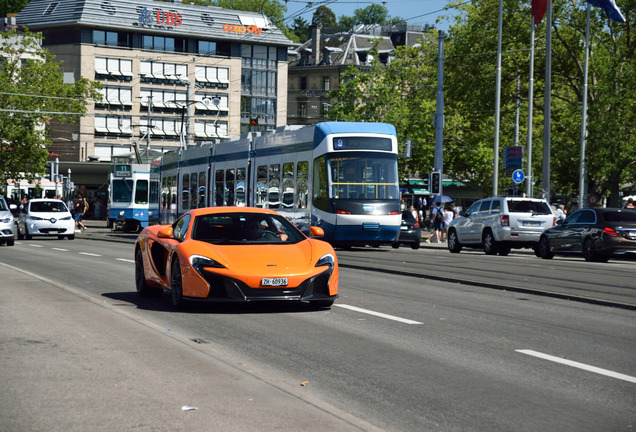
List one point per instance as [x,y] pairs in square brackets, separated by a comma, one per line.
[538,10]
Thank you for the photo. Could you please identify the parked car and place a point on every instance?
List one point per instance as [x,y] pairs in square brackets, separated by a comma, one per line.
[235,254]
[7,223]
[499,224]
[45,217]
[410,233]
[595,233]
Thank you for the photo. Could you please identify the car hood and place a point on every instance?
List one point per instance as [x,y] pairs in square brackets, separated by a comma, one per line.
[262,259]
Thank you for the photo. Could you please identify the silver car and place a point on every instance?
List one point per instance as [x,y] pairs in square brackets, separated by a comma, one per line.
[498,224]
[46,217]
[7,223]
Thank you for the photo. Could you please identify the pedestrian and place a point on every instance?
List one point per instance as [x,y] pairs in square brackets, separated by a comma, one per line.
[437,222]
[78,212]
[449,215]
[414,212]
[560,213]
[630,203]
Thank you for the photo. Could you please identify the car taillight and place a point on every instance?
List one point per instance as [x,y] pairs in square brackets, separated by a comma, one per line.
[610,231]
[394,212]
[553,221]
[416,226]
[505,220]
[342,212]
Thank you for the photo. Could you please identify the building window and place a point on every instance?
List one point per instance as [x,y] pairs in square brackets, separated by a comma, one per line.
[325,83]
[303,83]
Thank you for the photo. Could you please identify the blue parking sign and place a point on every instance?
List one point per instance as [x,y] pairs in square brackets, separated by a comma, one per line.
[518,176]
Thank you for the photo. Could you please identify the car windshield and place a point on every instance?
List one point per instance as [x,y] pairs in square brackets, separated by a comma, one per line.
[3,205]
[47,207]
[527,206]
[245,228]
[620,216]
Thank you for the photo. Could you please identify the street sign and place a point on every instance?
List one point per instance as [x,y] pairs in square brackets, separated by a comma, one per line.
[518,176]
[513,157]
[122,170]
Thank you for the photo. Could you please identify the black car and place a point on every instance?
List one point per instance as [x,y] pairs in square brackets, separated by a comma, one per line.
[410,233]
[596,233]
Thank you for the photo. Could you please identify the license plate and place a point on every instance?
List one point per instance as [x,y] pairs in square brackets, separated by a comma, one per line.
[274,281]
[532,224]
[404,228]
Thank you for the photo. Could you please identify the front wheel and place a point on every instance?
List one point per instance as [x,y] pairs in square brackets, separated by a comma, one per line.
[10,242]
[140,278]
[453,242]
[27,236]
[543,248]
[489,244]
[395,245]
[176,287]
[416,245]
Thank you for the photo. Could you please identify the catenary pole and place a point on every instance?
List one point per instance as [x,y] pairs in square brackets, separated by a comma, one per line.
[583,168]
[495,177]
[545,181]
[529,179]
[438,160]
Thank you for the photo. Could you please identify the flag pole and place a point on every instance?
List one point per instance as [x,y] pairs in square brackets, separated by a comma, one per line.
[495,178]
[529,179]
[583,169]
[545,181]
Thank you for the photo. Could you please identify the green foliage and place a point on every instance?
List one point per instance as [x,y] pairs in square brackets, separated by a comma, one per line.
[12,6]
[326,18]
[300,29]
[32,93]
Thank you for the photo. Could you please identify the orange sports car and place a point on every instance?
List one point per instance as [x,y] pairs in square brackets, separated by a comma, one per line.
[235,254]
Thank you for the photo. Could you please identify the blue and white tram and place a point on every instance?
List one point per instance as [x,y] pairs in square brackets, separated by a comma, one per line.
[339,176]
[134,196]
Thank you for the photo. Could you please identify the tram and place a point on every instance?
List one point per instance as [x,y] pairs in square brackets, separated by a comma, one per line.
[134,196]
[340,176]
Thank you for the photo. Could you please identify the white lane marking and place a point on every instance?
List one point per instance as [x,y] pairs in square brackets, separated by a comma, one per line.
[60,249]
[125,260]
[378,314]
[89,254]
[583,366]
[33,245]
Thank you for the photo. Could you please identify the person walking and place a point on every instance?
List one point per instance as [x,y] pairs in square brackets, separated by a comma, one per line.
[437,222]
[449,215]
[79,208]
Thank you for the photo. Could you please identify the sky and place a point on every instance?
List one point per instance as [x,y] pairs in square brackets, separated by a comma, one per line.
[417,12]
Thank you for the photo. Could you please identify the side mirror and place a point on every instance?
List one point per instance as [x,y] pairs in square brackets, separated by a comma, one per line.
[316,231]
[165,232]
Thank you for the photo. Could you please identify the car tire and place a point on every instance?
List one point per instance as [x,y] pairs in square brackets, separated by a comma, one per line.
[454,246]
[543,248]
[416,245]
[503,250]
[20,235]
[590,253]
[489,244]
[27,236]
[143,289]
[60,237]
[395,245]
[71,237]
[10,242]
[176,285]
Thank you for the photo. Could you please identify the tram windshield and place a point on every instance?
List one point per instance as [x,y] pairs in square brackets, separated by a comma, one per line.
[122,190]
[363,176]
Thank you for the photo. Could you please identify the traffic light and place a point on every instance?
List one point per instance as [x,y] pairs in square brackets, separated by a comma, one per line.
[50,171]
[436,182]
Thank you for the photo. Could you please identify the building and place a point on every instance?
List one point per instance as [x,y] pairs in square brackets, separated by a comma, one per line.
[316,67]
[173,74]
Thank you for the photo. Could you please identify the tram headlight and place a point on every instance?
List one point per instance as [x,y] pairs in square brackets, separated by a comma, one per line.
[121,213]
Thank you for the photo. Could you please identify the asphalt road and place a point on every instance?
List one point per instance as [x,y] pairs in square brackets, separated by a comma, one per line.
[400,350]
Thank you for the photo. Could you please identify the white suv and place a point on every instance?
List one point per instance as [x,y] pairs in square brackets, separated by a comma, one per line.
[498,224]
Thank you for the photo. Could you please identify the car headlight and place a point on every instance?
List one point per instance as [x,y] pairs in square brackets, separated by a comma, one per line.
[6,220]
[326,260]
[198,262]
[35,218]
[66,218]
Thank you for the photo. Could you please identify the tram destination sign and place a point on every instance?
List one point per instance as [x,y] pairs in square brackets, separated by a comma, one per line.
[122,170]
[362,143]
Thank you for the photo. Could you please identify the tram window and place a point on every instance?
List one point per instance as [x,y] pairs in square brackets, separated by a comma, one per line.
[218,188]
[273,191]
[320,189]
[288,185]
[239,197]
[261,186]
[185,188]
[122,191]
[202,187]
[194,182]
[141,192]
[154,192]
[302,174]
[173,191]
[229,186]
[165,193]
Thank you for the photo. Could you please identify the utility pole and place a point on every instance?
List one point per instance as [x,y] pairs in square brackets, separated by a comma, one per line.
[149,122]
[438,161]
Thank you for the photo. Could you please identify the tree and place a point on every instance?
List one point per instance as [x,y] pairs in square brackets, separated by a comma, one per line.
[372,14]
[32,92]
[300,29]
[12,6]
[326,18]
